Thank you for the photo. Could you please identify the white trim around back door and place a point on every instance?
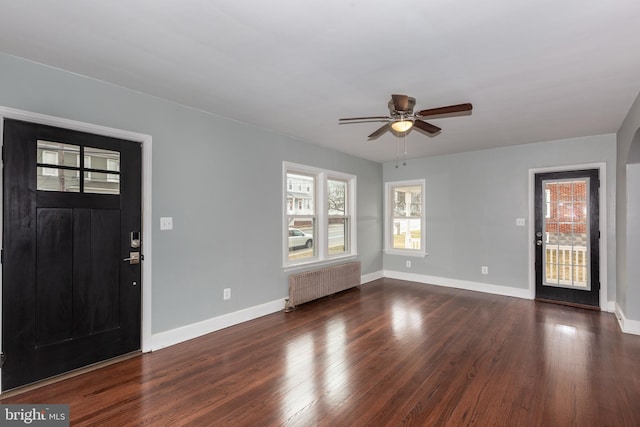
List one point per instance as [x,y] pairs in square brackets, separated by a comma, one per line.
[146,141]
[605,305]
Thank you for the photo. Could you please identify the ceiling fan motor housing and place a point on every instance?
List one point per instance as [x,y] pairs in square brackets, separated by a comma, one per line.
[411,102]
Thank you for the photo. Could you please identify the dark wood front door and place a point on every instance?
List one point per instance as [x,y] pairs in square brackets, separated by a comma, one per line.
[567,237]
[70,203]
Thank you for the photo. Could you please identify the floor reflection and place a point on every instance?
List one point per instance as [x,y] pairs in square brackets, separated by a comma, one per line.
[299,389]
[336,370]
[405,321]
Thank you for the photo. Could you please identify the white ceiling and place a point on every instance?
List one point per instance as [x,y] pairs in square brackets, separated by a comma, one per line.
[533,70]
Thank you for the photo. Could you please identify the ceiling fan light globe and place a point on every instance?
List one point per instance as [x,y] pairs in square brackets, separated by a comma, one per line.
[402,125]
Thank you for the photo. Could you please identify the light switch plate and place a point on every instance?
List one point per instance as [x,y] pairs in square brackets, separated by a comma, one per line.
[166,223]
[520,222]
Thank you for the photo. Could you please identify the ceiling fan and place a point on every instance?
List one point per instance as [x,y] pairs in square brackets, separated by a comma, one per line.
[401,118]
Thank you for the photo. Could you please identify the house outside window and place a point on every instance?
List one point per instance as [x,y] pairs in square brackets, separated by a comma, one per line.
[319,218]
[113,165]
[50,157]
[404,218]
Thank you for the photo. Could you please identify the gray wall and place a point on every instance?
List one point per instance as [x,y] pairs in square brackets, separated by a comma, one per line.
[628,144]
[220,180]
[632,291]
[474,198]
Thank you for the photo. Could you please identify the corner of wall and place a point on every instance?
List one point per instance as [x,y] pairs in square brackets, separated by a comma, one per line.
[627,326]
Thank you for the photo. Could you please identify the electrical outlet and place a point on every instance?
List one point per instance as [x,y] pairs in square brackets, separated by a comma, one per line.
[227,293]
[485,269]
[408,263]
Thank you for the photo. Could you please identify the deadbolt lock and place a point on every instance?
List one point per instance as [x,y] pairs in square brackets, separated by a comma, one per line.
[134,239]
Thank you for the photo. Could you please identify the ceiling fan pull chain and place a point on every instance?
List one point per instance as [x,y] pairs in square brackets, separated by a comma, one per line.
[404,158]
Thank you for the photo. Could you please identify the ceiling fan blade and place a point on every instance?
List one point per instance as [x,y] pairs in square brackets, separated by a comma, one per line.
[445,110]
[427,127]
[365,118]
[380,131]
[400,102]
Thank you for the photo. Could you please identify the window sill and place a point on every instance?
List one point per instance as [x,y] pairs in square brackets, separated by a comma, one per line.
[414,254]
[317,263]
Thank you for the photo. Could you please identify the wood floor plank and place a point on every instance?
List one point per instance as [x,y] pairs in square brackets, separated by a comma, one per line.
[390,353]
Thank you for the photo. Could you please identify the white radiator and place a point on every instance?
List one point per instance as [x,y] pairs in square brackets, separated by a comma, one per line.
[310,285]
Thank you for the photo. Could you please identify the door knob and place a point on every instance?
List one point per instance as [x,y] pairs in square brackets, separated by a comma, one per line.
[134,258]
[538,242]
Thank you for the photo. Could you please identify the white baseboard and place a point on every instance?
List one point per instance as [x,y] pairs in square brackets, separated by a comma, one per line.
[610,307]
[371,277]
[185,333]
[628,326]
[460,284]
[195,330]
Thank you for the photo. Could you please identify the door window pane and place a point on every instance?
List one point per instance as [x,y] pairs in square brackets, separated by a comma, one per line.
[57,153]
[566,259]
[100,183]
[63,180]
[59,168]
[51,177]
[50,157]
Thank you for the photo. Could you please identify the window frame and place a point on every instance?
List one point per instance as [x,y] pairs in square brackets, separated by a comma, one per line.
[321,215]
[389,217]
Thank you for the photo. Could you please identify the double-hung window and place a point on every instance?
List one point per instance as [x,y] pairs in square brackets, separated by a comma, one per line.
[319,215]
[404,218]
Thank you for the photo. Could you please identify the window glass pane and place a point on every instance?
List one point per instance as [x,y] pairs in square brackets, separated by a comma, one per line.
[566,246]
[406,233]
[404,206]
[105,160]
[301,243]
[338,232]
[407,201]
[337,197]
[87,164]
[301,200]
[99,183]
[113,165]
[64,180]
[57,153]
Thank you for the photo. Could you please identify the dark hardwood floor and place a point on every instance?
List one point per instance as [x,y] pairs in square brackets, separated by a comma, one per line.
[391,353]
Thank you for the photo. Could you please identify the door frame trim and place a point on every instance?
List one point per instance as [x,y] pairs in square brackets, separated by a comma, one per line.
[605,305]
[146,141]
